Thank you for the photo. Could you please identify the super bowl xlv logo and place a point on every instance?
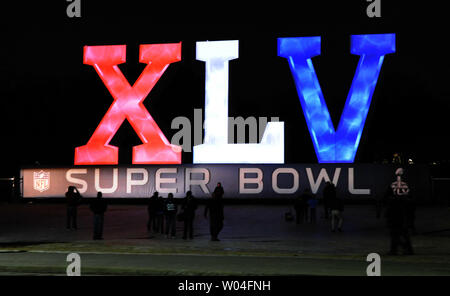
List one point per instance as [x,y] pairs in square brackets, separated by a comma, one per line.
[331,145]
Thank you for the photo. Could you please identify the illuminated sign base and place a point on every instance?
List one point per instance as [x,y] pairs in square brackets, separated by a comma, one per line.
[359,181]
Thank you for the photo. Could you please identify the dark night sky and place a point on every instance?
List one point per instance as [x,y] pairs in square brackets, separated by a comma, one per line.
[50,102]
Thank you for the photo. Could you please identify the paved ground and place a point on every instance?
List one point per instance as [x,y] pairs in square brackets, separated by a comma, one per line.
[255,240]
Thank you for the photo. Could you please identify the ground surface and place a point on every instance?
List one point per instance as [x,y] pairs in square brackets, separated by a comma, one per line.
[255,241]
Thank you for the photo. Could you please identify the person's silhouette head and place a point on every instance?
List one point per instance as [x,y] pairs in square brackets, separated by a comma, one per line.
[219,184]
[189,193]
[170,196]
[399,172]
[99,194]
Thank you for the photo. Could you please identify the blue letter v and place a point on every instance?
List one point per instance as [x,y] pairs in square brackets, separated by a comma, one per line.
[336,146]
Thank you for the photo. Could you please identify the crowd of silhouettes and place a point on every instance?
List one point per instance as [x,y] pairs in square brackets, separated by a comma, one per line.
[163,213]
[397,202]
[305,206]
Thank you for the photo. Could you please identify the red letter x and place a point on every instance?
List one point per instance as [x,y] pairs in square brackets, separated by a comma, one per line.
[128,104]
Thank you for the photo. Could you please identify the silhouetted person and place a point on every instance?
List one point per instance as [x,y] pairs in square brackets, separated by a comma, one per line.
[337,208]
[171,216]
[410,214]
[189,206]
[160,209]
[379,199]
[152,208]
[386,197]
[98,207]
[218,191]
[301,206]
[216,216]
[329,192]
[397,223]
[73,198]
[400,214]
[312,203]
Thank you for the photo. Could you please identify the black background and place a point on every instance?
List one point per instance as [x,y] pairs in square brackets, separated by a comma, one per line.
[50,102]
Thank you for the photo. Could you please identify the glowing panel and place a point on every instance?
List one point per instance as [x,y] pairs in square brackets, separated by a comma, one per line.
[215,148]
[336,146]
[128,104]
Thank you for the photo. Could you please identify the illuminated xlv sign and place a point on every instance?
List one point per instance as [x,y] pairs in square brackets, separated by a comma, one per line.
[340,145]
[333,146]
[128,104]
[215,147]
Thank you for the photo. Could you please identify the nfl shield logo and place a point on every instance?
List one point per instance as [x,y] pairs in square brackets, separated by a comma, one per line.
[41,181]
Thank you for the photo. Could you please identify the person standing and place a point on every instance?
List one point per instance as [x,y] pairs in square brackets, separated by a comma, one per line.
[410,214]
[298,209]
[312,203]
[216,215]
[98,207]
[397,215]
[73,198]
[160,209]
[171,216]
[337,208]
[379,198]
[301,206]
[396,222]
[189,206]
[152,208]
[329,193]
[218,191]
